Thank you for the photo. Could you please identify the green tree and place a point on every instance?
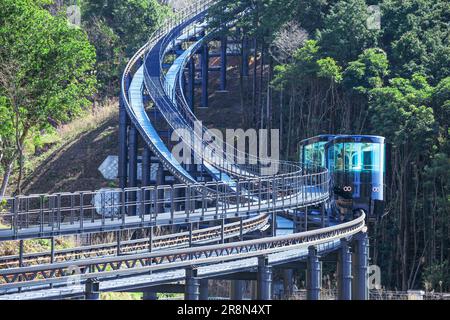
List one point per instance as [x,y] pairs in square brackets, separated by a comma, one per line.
[132,20]
[401,113]
[46,73]
[416,36]
[118,29]
[345,34]
[368,71]
[441,105]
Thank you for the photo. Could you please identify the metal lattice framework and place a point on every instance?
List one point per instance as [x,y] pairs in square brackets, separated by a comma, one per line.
[72,213]
[152,243]
[141,263]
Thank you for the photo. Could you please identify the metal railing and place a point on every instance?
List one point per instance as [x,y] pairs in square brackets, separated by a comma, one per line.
[151,243]
[47,215]
[135,264]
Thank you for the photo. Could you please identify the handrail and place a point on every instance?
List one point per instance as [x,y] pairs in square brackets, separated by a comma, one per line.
[173,240]
[171,259]
[107,210]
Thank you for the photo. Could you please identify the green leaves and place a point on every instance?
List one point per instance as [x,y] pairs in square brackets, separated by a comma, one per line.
[133,21]
[416,35]
[118,29]
[307,62]
[441,102]
[46,74]
[260,19]
[400,113]
[368,71]
[329,69]
[55,62]
[345,34]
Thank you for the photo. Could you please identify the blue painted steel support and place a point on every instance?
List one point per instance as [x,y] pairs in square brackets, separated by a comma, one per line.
[313,270]
[204,289]
[264,282]
[306,219]
[160,193]
[123,148]
[223,63]
[191,84]
[205,66]
[288,283]
[237,289]
[344,271]
[92,289]
[322,215]
[274,224]
[245,55]
[133,159]
[361,257]
[149,295]
[146,166]
[146,177]
[192,285]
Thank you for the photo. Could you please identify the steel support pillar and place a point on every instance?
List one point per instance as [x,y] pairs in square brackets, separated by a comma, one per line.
[205,69]
[92,289]
[204,289]
[123,148]
[274,224]
[149,295]
[305,228]
[288,283]
[344,271]
[146,177]
[360,265]
[313,279]
[146,166]
[245,55]
[322,215]
[264,282]
[160,194]
[192,286]
[133,159]
[237,289]
[223,63]
[191,84]
[298,225]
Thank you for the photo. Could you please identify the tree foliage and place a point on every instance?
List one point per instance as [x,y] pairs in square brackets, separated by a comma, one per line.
[118,29]
[392,82]
[46,72]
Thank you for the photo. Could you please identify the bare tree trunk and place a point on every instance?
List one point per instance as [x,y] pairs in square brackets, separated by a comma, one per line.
[19,179]
[5,181]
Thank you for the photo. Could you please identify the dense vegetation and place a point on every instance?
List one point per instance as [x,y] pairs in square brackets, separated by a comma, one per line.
[52,71]
[343,77]
[46,77]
